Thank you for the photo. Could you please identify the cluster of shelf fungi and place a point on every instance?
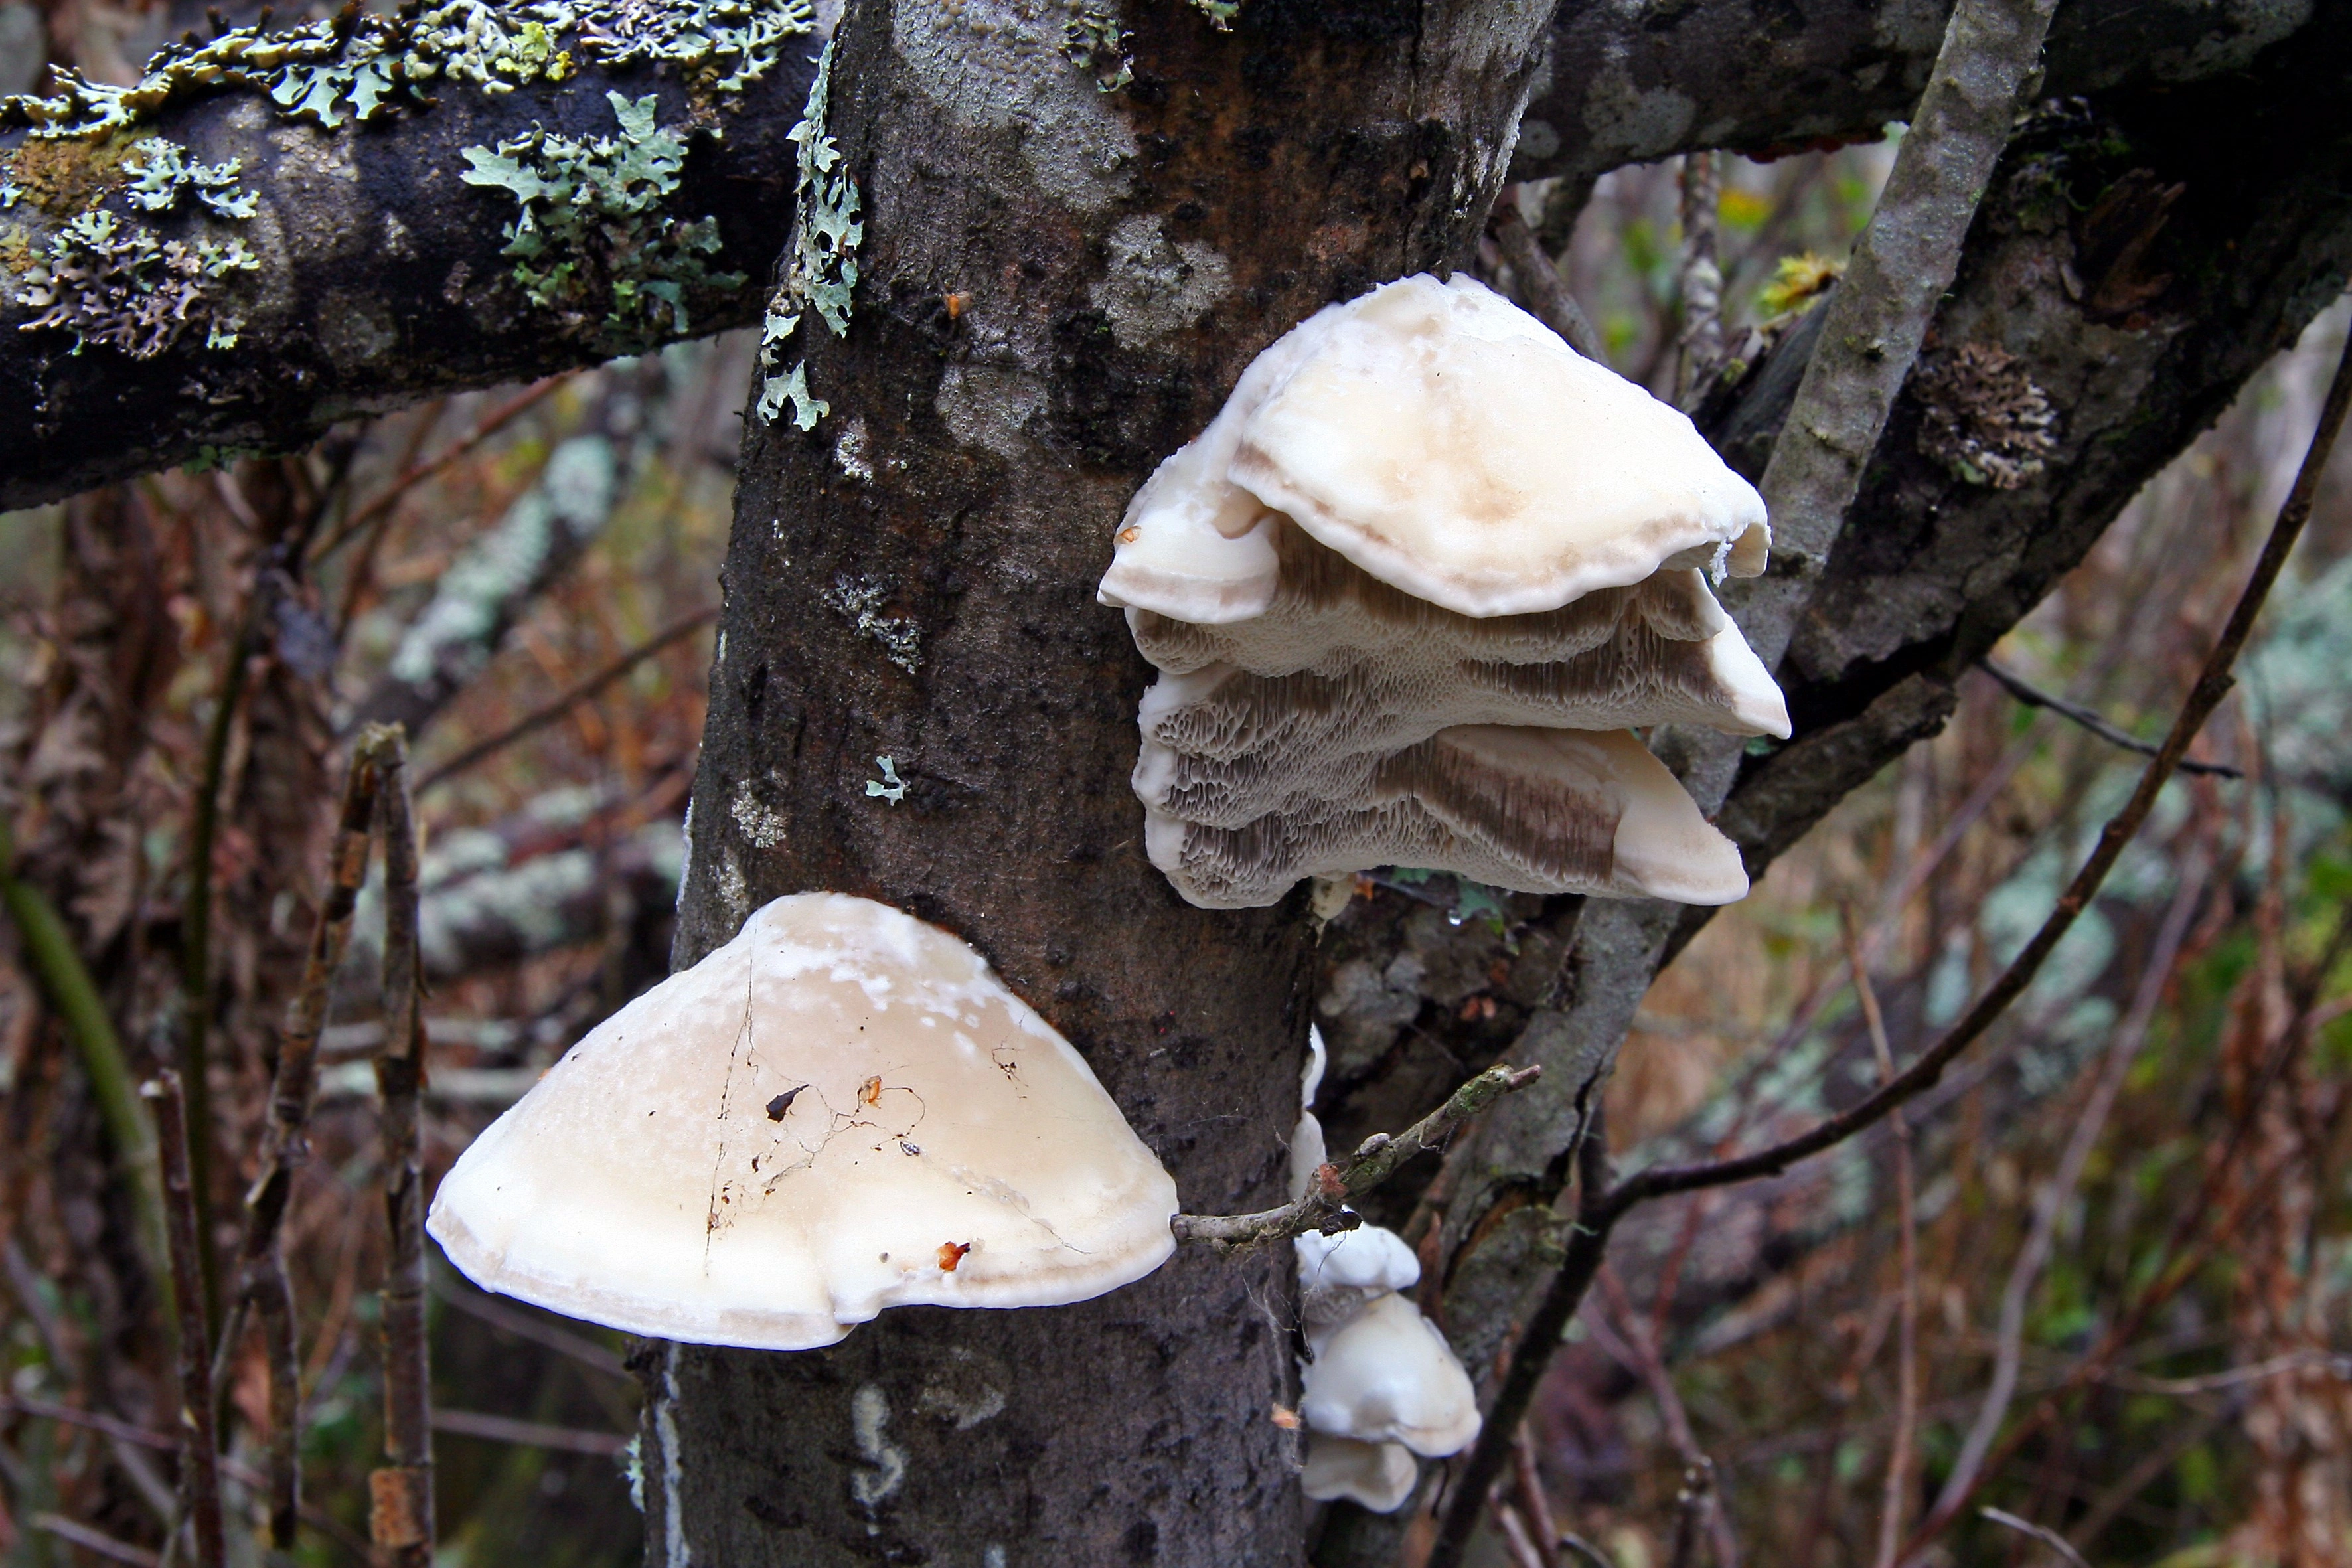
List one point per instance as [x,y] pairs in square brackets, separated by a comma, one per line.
[1410,594]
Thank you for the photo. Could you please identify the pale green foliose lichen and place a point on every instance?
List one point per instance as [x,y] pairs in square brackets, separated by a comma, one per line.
[591,226]
[358,66]
[1093,41]
[821,267]
[161,172]
[116,284]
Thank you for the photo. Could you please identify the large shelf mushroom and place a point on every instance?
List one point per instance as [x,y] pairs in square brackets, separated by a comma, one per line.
[840,1111]
[1410,590]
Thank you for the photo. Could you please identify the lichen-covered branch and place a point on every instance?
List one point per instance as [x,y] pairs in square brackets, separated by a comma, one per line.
[1375,1161]
[275,230]
[382,277]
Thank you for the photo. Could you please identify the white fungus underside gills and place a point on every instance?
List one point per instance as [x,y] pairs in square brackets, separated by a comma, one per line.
[802,1130]
[1544,811]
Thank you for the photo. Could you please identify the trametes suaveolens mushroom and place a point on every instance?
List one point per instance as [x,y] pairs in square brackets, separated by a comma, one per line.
[1410,591]
[1381,1384]
[840,1111]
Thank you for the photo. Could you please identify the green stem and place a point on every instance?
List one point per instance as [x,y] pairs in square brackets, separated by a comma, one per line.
[66,980]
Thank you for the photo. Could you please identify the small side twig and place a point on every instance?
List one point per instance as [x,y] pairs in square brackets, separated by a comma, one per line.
[1375,1160]
[1540,280]
[401,1493]
[2033,696]
[1529,1483]
[199,1446]
[2050,1538]
[1583,1550]
[1692,1505]
[563,701]
[96,1542]
[1907,1307]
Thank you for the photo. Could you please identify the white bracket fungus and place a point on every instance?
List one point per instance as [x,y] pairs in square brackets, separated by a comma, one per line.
[840,1111]
[1410,591]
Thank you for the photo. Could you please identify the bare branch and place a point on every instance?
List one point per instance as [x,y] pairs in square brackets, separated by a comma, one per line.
[1375,1161]
[2048,1537]
[199,1446]
[562,702]
[2033,696]
[401,1518]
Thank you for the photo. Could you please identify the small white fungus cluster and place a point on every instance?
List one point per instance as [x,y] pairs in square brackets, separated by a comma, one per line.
[1379,1385]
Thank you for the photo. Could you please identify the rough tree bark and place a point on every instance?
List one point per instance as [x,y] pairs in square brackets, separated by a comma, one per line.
[1059,284]
[378,282]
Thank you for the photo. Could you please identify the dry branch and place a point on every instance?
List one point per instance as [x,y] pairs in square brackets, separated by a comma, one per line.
[199,1446]
[401,1518]
[1379,1157]
[2115,734]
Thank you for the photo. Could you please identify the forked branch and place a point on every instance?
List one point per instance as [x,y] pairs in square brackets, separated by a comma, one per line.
[1376,1158]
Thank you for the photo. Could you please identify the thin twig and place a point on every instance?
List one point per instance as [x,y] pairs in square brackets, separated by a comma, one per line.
[2033,696]
[527,1434]
[1907,1300]
[2122,1051]
[562,702]
[261,1266]
[401,1493]
[1701,341]
[1376,1158]
[199,1447]
[415,474]
[2050,1538]
[1519,1539]
[89,1540]
[1690,1508]
[1529,1483]
[1633,1341]
[1592,1556]
[1538,277]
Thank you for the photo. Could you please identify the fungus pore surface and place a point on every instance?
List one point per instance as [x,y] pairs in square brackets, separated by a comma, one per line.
[840,1111]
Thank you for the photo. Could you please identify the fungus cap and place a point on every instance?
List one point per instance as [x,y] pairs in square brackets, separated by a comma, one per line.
[1342,1273]
[1450,443]
[1379,1476]
[1387,1375]
[840,1111]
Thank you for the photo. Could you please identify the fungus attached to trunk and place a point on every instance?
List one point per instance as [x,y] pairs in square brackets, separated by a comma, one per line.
[1387,1375]
[840,1111]
[1408,591]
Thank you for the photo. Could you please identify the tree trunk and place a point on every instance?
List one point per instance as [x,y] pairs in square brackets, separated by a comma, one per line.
[1060,284]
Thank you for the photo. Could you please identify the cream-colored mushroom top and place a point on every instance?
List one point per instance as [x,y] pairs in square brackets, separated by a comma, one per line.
[1449,443]
[840,1111]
